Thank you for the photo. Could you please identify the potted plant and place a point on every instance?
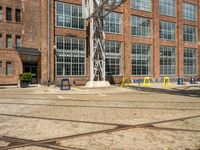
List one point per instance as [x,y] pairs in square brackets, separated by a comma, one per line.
[25,79]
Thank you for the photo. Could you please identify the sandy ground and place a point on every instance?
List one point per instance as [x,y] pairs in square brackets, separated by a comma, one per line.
[114,118]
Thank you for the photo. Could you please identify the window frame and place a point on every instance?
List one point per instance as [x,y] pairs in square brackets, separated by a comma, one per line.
[138,56]
[140,5]
[192,59]
[70,53]
[111,55]
[9,17]
[142,28]
[189,34]
[163,30]
[68,13]
[186,16]
[9,36]
[167,11]
[11,68]
[18,15]
[165,58]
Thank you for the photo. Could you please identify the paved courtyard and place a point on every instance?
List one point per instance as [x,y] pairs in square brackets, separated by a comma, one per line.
[114,118]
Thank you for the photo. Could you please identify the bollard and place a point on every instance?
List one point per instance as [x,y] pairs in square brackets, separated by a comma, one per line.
[192,80]
[180,81]
[166,81]
[148,83]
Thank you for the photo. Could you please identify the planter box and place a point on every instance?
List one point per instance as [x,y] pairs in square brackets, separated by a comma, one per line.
[24,84]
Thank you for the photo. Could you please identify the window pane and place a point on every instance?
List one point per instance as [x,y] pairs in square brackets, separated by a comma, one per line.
[113,58]
[70,56]
[112,23]
[8,41]
[189,11]
[141,26]
[141,59]
[1,14]
[18,41]
[8,68]
[8,14]
[167,30]
[0,68]
[167,60]
[190,61]
[69,16]
[1,45]
[144,5]
[18,15]
[189,33]
[167,7]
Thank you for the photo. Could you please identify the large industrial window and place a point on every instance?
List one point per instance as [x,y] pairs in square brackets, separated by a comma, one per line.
[113,23]
[113,58]
[189,33]
[8,68]
[69,16]
[8,14]
[18,15]
[167,7]
[0,67]
[189,61]
[1,42]
[189,11]
[141,26]
[1,14]
[8,41]
[144,5]
[18,41]
[70,56]
[141,59]
[167,60]
[167,30]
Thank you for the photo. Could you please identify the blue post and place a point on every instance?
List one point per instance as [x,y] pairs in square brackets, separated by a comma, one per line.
[180,81]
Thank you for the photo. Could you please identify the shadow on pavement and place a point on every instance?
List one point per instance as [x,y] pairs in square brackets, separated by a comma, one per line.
[172,91]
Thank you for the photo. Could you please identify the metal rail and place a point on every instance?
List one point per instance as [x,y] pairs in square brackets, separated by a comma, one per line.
[51,143]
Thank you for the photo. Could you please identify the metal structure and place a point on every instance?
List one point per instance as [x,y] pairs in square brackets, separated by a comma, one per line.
[95,12]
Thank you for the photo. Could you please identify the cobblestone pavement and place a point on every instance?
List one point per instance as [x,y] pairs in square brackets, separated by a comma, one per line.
[134,118]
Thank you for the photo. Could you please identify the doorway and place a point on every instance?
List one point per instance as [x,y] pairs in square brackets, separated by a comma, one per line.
[31,67]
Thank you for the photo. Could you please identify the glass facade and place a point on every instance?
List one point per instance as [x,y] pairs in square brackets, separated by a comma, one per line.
[167,30]
[141,26]
[144,5]
[141,59]
[189,33]
[113,58]
[167,60]
[113,23]
[190,61]
[70,56]
[189,11]
[69,16]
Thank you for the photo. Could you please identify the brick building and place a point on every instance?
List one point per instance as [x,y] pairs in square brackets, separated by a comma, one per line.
[153,38]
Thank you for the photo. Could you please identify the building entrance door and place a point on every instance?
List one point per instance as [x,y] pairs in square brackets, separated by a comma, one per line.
[31,67]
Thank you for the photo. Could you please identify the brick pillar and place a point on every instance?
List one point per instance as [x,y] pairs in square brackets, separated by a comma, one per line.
[126,30]
[52,75]
[198,50]
[156,40]
[44,46]
[179,39]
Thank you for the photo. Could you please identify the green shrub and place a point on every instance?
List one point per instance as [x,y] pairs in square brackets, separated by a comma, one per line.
[25,76]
